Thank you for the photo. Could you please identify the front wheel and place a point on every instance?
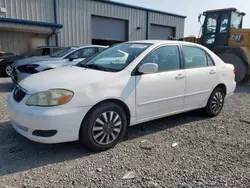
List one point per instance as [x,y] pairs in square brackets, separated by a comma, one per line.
[215,103]
[8,70]
[103,127]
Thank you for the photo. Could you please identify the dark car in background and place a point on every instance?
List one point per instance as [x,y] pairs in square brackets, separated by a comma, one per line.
[6,53]
[6,61]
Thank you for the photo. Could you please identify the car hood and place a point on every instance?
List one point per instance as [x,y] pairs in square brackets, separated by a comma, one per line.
[71,78]
[34,60]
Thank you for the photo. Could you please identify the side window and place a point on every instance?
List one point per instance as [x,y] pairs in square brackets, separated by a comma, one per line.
[209,39]
[86,52]
[211,23]
[38,52]
[224,23]
[210,62]
[166,57]
[101,49]
[46,51]
[76,53]
[194,57]
[53,50]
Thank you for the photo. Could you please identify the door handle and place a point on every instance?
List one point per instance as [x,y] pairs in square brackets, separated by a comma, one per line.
[179,76]
[212,72]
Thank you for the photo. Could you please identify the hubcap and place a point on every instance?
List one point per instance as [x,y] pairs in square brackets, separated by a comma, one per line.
[217,102]
[9,70]
[107,128]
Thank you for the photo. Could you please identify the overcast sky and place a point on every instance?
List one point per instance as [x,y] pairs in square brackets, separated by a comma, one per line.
[191,9]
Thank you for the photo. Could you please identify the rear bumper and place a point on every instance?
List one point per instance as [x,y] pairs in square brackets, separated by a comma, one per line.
[230,89]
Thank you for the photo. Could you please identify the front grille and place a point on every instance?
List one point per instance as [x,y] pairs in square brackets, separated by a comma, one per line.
[19,94]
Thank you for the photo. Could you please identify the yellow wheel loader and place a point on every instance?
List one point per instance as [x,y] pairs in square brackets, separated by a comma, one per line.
[222,33]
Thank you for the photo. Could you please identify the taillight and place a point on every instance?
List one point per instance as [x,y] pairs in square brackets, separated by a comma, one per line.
[234,70]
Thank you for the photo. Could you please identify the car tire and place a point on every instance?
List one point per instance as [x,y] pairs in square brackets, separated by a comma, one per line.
[215,102]
[8,70]
[103,127]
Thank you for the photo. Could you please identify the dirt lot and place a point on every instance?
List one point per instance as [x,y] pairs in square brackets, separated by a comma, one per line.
[186,150]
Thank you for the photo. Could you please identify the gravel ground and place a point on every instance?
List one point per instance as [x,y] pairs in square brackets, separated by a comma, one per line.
[186,150]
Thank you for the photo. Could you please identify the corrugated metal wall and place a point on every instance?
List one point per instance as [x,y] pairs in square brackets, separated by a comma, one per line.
[13,41]
[14,37]
[75,15]
[36,10]
[172,21]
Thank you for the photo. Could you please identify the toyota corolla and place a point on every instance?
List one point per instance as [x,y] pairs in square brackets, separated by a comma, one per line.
[98,99]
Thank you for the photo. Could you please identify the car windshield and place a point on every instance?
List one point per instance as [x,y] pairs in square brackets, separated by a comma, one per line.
[62,52]
[115,58]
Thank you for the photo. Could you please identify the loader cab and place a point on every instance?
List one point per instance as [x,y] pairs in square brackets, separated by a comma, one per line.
[217,24]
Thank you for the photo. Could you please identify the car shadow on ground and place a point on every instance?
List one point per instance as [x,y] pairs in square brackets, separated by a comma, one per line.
[18,154]
[6,87]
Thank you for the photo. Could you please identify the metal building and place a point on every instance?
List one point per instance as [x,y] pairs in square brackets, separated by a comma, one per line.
[77,22]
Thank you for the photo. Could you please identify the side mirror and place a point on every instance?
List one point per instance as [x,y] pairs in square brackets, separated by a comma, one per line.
[199,18]
[73,57]
[148,68]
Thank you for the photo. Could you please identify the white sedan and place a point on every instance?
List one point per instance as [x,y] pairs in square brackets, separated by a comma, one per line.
[95,102]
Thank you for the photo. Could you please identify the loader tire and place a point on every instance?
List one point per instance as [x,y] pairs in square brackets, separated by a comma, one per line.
[238,63]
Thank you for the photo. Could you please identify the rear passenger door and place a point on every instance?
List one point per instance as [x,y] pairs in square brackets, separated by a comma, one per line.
[201,76]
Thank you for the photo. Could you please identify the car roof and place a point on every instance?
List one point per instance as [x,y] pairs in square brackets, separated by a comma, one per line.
[160,42]
[87,46]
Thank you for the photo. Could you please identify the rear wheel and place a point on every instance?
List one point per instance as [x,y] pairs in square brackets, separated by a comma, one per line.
[239,64]
[215,102]
[8,70]
[103,127]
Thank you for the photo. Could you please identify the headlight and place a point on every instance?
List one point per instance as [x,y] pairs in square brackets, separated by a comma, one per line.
[53,97]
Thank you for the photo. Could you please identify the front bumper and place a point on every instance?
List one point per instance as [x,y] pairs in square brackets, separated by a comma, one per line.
[65,120]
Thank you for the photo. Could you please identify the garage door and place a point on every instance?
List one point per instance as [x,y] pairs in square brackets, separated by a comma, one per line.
[158,32]
[109,29]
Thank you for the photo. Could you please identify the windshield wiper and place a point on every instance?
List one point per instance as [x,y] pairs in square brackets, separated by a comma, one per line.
[94,66]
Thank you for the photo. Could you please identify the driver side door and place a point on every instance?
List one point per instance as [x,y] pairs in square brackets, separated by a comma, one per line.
[161,93]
